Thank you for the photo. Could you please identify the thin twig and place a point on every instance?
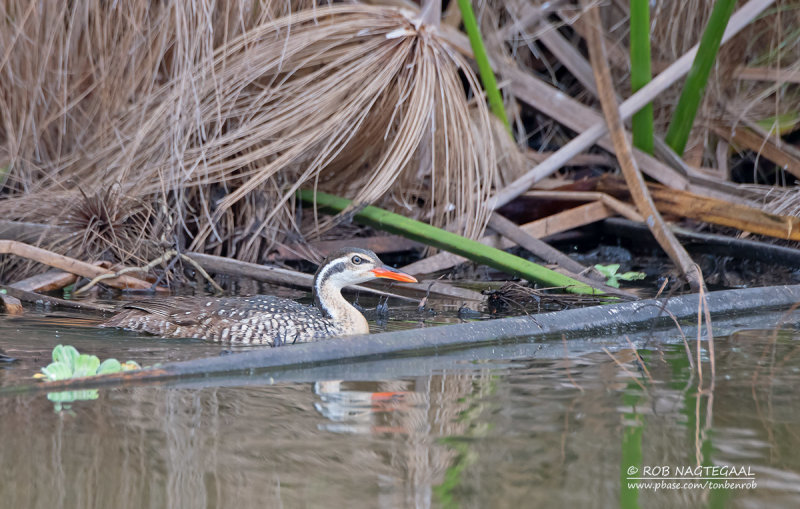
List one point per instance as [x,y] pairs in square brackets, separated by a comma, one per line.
[147,267]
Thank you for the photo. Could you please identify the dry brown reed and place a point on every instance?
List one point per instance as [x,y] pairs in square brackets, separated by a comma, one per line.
[193,123]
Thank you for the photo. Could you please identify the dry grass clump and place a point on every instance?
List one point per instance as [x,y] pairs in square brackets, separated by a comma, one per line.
[207,118]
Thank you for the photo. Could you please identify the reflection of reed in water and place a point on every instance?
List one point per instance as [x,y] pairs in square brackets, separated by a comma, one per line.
[419,412]
[228,447]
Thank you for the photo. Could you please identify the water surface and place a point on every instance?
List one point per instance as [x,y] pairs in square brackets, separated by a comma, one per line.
[553,425]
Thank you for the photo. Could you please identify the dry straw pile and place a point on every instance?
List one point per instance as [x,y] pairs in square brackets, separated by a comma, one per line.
[135,125]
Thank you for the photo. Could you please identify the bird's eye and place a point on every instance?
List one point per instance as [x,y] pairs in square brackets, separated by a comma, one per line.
[356,260]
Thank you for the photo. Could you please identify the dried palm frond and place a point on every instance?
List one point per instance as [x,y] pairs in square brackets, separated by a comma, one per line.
[362,101]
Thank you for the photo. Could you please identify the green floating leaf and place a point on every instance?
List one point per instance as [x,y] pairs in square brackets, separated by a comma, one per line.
[57,371]
[109,366]
[69,363]
[86,365]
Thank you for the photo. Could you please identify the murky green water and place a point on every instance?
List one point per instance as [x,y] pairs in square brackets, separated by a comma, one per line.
[542,430]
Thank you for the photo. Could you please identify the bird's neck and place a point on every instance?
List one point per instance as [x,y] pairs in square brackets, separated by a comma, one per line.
[333,306]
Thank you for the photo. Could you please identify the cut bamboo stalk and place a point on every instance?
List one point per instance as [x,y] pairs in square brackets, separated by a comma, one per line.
[436,237]
[550,225]
[624,151]
[72,265]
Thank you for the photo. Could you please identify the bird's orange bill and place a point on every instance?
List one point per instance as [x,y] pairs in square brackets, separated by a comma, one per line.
[388,273]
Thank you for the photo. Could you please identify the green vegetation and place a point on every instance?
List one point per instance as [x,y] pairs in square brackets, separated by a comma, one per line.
[641,73]
[613,279]
[686,110]
[484,67]
[69,363]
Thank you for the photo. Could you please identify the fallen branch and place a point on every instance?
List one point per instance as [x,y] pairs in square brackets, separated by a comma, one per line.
[71,265]
[37,298]
[46,281]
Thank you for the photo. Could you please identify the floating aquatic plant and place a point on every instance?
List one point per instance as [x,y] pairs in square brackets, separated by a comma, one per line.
[69,363]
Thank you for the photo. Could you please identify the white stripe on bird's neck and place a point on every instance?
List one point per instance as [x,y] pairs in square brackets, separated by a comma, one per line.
[329,300]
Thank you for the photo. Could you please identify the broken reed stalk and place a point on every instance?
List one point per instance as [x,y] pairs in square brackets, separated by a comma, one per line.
[550,225]
[436,237]
[710,210]
[622,147]
[637,101]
